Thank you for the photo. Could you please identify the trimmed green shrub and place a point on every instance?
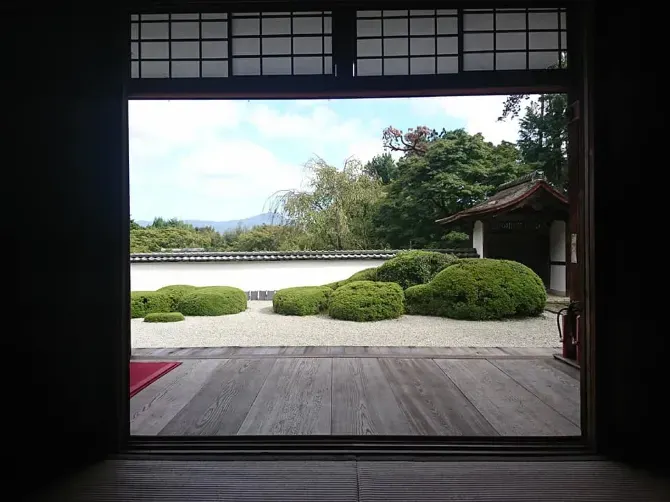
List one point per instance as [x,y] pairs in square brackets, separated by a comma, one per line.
[367,274]
[479,289]
[176,292]
[164,317]
[213,301]
[409,268]
[147,302]
[419,300]
[309,300]
[366,301]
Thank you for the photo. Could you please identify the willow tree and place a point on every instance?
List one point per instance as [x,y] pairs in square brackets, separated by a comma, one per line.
[335,208]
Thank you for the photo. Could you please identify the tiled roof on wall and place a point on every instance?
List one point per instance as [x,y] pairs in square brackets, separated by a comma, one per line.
[212,256]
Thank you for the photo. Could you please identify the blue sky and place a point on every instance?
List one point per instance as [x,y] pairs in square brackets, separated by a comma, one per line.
[221,160]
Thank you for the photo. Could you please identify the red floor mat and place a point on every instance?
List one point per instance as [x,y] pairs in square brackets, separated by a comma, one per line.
[145,373]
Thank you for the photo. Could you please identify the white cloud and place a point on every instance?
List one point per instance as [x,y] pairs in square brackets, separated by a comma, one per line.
[207,159]
[318,123]
[236,169]
[174,123]
[480,114]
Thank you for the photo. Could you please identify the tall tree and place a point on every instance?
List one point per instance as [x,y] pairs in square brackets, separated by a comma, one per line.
[381,167]
[543,133]
[337,208]
[454,170]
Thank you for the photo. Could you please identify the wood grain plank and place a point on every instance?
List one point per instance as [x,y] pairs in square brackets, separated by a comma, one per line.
[257,351]
[408,351]
[295,399]
[550,385]
[571,371]
[510,408]
[185,352]
[431,402]
[152,408]
[221,405]
[470,351]
[363,402]
[531,351]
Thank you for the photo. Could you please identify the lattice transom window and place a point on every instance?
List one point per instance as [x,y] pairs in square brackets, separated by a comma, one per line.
[514,39]
[282,43]
[179,45]
[402,42]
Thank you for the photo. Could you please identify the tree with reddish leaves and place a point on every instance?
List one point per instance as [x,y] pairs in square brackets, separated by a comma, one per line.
[413,142]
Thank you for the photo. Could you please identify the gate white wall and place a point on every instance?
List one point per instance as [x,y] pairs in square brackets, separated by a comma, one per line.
[248,276]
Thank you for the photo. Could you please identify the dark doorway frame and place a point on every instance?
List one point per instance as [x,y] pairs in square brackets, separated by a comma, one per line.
[572,81]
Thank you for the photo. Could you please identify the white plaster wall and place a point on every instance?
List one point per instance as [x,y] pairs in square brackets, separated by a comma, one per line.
[557,236]
[478,238]
[248,276]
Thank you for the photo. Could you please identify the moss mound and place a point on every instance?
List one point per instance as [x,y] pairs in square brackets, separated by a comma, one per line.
[176,292]
[367,274]
[479,289]
[410,268]
[164,317]
[213,301]
[302,301]
[148,302]
[363,301]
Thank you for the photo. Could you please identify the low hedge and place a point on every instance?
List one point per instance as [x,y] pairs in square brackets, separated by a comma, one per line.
[479,289]
[367,274]
[301,301]
[148,302]
[164,317]
[363,301]
[213,301]
[410,268]
[176,292]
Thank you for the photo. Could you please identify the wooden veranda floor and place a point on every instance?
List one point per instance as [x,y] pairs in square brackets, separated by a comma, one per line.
[358,391]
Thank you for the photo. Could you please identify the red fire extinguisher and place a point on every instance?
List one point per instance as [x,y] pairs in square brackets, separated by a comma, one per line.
[568,329]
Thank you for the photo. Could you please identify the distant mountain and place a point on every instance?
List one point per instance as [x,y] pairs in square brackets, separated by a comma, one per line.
[222,226]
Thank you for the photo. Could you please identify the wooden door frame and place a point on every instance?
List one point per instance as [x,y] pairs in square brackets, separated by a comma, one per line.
[574,82]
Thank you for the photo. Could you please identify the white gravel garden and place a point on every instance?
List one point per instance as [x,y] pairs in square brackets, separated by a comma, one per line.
[259,326]
[417,298]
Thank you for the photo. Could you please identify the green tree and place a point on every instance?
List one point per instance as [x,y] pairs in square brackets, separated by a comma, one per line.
[149,239]
[452,171]
[543,133]
[171,223]
[381,167]
[269,238]
[336,210]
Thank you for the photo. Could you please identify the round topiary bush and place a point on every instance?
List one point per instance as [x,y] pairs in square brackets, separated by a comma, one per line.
[213,301]
[366,301]
[310,300]
[419,300]
[480,289]
[409,268]
[147,302]
[367,274]
[164,317]
[176,292]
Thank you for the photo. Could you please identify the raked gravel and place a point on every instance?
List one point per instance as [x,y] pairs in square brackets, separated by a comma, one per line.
[259,326]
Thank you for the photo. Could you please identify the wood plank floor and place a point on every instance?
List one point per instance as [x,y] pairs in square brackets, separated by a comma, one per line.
[443,391]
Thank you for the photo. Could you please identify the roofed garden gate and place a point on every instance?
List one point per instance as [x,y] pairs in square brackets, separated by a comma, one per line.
[525,221]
